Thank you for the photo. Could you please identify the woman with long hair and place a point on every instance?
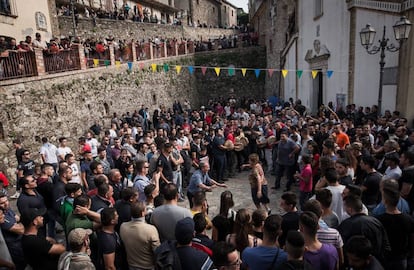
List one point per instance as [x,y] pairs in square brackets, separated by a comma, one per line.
[241,237]
[223,222]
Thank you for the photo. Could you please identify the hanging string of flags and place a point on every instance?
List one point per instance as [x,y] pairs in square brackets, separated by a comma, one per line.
[231,71]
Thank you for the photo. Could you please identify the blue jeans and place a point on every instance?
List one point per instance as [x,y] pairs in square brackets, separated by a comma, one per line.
[178,181]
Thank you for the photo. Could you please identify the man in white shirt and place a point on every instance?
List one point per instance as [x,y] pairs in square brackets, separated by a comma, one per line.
[63,149]
[93,143]
[48,153]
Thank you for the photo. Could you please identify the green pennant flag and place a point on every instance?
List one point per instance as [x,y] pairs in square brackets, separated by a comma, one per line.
[166,67]
[231,71]
[107,62]
[299,73]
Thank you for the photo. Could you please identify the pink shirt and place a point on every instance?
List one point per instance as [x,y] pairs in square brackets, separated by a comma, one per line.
[306,173]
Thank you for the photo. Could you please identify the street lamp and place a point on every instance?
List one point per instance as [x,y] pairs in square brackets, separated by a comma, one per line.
[401,31]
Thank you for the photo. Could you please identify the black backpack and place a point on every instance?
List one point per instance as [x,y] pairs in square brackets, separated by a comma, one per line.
[166,256]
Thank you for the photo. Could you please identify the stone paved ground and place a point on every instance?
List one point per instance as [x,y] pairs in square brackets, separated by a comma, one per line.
[240,188]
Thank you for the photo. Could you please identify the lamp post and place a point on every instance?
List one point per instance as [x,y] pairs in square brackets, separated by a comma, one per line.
[401,31]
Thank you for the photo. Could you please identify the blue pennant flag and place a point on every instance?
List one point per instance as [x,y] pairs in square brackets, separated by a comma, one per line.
[257,72]
[191,70]
[329,73]
[129,65]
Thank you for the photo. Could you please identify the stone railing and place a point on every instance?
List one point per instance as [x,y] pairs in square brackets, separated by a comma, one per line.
[376,5]
[382,6]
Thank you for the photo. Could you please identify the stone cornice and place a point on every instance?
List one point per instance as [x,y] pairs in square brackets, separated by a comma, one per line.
[381,6]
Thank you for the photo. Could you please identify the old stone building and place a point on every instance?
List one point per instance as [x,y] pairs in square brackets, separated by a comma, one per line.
[275,23]
[18,21]
[323,36]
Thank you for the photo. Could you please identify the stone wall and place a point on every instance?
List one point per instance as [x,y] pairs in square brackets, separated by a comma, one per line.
[68,104]
[133,30]
[206,12]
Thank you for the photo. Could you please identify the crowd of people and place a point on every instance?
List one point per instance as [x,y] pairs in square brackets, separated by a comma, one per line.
[347,175]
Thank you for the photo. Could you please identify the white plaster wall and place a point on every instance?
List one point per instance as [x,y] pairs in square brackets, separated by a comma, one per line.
[25,23]
[367,66]
[334,34]
[290,80]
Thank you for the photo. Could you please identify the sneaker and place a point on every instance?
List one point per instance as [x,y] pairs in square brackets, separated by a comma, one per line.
[15,195]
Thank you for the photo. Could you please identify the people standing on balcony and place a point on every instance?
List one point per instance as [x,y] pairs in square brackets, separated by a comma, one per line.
[39,43]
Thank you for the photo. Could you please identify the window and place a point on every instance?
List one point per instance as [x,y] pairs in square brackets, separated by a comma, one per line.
[8,8]
[270,46]
[214,10]
[318,8]
[232,11]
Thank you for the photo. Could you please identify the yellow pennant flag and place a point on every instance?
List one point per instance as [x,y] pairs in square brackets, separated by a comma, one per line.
[154,67]
[117,64]
[244,71]
[178,69]
[95,62]
[284,73]
[217,69]
[314,73]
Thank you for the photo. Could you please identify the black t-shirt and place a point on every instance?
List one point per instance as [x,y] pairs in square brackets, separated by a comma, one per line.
[109,243]
[407,176]
[191,258]
[346,180]
[290,221]
[123,209]
[399,228]
[27,167]
[372,195]
[36,251]
[19,155]
[166,167]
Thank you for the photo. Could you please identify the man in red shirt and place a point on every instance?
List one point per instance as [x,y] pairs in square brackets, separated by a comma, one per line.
[342,139]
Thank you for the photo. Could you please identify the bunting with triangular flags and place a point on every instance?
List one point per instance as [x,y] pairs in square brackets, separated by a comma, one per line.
[178,69]
[129,65]
[243,70]
[217,70]
[154,67]
[299,73]
[257,72]
[270,71]
[107,62]
[191,69]
[231,71]
[166,67]
[329,73]
[314,73]
[117,64]
[95,62]
[203,70]
[284,73]
[141,66]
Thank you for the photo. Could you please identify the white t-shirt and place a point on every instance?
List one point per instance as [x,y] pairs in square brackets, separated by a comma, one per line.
[63,151]
[75,174]
[49,151]
[94,146]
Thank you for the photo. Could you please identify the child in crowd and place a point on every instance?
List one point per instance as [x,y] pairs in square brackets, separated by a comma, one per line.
[258,183]
[305,180]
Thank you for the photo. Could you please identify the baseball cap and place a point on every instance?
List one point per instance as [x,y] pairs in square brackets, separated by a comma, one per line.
[29,214]
[78,235]
[184,230]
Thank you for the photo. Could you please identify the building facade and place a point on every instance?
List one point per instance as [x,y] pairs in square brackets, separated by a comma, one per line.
[328,42]
[17,20]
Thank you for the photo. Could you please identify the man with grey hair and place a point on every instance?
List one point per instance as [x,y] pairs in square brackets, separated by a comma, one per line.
[201,181]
